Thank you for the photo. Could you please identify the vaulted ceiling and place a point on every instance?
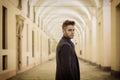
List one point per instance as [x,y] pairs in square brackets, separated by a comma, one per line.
[52,13]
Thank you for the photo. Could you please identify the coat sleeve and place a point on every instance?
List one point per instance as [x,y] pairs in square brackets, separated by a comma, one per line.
[65,62]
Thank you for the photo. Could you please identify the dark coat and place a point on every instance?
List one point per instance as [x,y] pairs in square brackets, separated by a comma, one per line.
[67,62]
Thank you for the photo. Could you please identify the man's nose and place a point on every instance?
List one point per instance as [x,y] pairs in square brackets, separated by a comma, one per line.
[72,31]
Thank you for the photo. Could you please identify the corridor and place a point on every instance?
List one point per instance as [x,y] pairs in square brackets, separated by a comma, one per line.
[47,72]
[31,29]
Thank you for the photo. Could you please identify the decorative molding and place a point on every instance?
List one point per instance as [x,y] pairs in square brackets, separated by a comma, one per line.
[104,68]
[20,23]
[111,1]
[19,29]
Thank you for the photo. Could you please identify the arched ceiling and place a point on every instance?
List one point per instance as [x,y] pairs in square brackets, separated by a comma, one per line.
[52,13]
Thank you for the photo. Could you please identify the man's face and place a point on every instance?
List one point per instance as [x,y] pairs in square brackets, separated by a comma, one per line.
[68,31]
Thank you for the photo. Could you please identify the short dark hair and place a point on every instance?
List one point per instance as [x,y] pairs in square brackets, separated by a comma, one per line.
[67,22]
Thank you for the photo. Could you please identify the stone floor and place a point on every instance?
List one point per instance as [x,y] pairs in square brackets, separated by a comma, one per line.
[47,72]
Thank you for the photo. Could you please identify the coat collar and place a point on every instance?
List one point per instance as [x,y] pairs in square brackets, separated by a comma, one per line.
[68,40]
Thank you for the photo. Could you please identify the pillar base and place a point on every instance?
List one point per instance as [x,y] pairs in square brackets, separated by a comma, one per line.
[115,73]
[107,69]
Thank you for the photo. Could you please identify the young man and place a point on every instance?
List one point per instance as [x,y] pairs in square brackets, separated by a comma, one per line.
[66,59]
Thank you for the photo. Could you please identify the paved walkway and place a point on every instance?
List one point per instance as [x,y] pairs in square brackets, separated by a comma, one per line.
[47,72]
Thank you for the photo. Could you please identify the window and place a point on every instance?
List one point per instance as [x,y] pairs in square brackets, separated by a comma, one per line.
[27,38]
[28,4]
[49,47]
[4,62]
[4,27]
[32,43]
[38,42]
[38,22]
[20,4]
[34,14]
[27,59]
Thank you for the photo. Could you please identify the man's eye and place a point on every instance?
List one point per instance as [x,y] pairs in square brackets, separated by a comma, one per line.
[71,30]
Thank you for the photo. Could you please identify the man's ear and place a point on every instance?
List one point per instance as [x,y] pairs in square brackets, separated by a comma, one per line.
[63,31]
